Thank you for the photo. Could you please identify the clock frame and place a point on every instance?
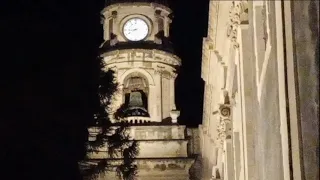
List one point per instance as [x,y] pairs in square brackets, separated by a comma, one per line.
[138,16]
[139,29]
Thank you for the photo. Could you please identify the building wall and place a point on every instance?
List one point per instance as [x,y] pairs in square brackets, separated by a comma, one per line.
[259,59]
[305,24]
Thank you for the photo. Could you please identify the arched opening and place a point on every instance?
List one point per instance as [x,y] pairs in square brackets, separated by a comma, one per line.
[135,95]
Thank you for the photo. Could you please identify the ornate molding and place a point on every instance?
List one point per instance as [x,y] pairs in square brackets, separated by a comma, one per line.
[160,70]
[238,14]
[143,55]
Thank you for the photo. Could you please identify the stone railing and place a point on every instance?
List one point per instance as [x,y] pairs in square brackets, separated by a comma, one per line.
[137,120]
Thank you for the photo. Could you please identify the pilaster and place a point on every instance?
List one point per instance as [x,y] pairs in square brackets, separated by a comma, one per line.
[249,100]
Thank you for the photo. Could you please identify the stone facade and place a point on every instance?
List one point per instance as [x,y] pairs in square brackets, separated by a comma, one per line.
[146,71]
[260,117]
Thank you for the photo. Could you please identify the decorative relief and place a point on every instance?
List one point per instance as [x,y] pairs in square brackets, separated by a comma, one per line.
[165,73]
[224,127]
[225,111]
[238,14]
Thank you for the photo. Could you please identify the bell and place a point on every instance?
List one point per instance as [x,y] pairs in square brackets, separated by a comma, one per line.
[135,99]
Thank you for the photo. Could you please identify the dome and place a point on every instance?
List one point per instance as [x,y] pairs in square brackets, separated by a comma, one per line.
[163,2]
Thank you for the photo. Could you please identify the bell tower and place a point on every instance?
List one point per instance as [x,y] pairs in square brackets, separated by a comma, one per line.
[137,47]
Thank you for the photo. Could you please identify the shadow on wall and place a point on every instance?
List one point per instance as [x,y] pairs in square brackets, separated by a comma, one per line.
[195,172]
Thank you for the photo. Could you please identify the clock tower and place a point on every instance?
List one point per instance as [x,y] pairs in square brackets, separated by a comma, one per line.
[137,48]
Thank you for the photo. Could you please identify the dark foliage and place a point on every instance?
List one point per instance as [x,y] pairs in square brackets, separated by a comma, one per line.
[116,138]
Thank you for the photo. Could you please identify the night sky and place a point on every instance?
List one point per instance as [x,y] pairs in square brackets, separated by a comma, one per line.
[48,73]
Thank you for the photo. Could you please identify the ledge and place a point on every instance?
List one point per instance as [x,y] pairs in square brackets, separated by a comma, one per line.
[150,45]
[97,129]
[149,159]
[160,3]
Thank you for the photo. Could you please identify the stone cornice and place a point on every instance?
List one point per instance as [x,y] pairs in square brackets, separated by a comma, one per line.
[153,55]
[154,5]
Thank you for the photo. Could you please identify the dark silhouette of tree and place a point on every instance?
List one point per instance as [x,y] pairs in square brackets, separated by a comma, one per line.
[116,138]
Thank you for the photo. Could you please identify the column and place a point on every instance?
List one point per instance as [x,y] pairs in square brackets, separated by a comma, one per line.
[172,94]
[166,26]
[157,96]
[152,106]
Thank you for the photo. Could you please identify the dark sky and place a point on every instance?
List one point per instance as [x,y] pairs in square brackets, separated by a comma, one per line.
[48,51]
[188,29]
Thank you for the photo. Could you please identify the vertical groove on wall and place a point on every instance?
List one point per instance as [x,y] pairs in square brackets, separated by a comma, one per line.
[286,91]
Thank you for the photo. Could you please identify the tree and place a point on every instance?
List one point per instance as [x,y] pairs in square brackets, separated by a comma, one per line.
[116,138]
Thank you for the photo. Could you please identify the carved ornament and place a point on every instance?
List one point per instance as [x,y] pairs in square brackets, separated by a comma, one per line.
[225,111]
[224,127]
[238,14]
[165,73]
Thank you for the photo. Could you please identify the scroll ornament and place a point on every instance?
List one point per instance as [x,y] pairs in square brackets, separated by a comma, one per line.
[224,127]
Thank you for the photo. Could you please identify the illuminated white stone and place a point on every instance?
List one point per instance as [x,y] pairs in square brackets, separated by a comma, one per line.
[255,57]
[146,80]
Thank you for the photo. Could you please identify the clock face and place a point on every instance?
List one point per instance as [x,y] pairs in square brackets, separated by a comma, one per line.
[135,29]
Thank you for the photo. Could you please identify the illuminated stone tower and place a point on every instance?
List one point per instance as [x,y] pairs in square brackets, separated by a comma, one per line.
[137,48]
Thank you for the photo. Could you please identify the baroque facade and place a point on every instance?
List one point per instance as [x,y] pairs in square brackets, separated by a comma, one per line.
[136,47]
[261,116]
